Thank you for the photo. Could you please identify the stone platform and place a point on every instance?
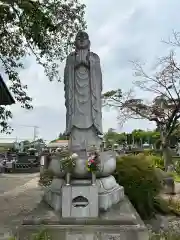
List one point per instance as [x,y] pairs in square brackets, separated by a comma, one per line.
[120,222]
[109,192]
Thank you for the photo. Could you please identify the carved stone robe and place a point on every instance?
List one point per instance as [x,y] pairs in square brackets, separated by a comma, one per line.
[83,87]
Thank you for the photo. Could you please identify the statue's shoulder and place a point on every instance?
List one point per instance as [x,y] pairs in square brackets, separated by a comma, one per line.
[71,55]
[94,56]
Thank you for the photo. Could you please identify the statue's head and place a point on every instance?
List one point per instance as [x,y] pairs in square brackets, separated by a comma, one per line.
[82,40]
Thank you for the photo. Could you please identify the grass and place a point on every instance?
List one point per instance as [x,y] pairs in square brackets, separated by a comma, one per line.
[170,207]
[176,177]
[170,235]
[41,235]
[174,205]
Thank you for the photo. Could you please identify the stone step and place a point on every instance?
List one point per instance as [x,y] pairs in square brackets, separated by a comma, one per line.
[123,220]
[85,232]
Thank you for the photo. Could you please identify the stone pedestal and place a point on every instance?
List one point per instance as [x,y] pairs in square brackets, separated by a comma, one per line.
[120,222]
[109,192]
[80,201]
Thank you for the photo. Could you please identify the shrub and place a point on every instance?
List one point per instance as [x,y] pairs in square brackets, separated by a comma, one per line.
[167,206]
[148,151]
[141,185]
[46,178]
[157,161]
[163,235]
[177,167]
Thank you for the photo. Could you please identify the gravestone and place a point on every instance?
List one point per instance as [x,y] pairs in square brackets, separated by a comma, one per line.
[80,209]
[166,179]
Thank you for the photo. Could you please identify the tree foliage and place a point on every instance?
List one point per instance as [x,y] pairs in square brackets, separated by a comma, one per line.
[112,137]
[45,29]
[62,136]
[137,136]
[164,85]
[163,105]
[141,136]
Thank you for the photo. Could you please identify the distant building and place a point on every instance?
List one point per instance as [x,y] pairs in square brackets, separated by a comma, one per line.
[58,144]
[7,144]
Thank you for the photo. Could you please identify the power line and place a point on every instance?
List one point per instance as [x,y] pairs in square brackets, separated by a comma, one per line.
[35,128]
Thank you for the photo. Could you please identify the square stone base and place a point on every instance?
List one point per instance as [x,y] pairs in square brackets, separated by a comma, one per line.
[80,201]
[120,222]
[106,197]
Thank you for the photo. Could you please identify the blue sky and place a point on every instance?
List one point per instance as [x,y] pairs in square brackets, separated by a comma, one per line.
[120,31]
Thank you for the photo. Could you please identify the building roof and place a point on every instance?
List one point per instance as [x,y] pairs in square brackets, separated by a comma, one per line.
[58,143]
[7,140]
[5,96]
[61,141]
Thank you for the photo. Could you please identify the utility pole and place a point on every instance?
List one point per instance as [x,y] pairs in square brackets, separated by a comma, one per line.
[35,134]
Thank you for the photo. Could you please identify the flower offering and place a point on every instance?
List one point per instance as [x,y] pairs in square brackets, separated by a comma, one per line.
[93,162]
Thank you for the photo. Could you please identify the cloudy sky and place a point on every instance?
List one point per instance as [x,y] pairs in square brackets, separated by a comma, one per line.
[119,31]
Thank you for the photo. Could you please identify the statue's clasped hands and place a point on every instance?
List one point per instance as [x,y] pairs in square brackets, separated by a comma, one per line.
[81,62]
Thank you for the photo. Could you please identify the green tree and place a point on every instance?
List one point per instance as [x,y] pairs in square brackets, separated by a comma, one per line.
[121,138]
[163,109]
[137,136]
[63,136]
[38,141]
[112,137]
[26,142]
[45,29]
[142,136]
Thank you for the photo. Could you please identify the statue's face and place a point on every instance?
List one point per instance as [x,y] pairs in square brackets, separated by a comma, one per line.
[82,40]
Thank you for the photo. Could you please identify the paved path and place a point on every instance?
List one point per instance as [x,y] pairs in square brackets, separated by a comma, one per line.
[19,194]
[11,181]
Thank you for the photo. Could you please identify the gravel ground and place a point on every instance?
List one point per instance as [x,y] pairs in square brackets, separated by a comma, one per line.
[167,223]
[10,181]
[21,196]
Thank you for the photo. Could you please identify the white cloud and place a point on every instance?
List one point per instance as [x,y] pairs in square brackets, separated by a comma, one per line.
[119,31]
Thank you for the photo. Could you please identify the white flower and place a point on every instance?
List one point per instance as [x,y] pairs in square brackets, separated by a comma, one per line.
[74,156]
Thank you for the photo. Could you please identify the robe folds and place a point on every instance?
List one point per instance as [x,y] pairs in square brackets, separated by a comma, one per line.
[83,88]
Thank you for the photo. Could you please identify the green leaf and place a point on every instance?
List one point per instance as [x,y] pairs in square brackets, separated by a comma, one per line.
[45,29]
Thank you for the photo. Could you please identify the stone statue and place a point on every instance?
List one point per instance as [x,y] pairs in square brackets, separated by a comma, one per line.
[76,191]
[83,87]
